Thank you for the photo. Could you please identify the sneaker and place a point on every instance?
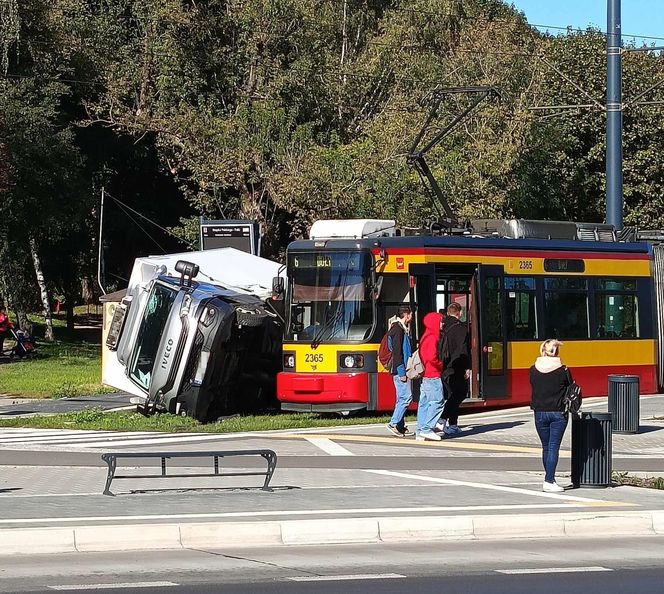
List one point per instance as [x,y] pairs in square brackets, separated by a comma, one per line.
[552,487]
[452,430]
[440,427]
[429,436]
[407,432]
[395,431]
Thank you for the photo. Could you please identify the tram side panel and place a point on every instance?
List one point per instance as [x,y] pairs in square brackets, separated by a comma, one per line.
[658,290]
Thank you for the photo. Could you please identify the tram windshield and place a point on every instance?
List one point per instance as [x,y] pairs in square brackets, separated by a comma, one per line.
[330,298]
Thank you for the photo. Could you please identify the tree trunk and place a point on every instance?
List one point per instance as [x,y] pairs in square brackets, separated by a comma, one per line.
[87,292]
[70,302]
[23,321]
[48,315]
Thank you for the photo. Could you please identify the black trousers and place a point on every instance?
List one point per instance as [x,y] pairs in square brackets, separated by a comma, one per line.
[455,387]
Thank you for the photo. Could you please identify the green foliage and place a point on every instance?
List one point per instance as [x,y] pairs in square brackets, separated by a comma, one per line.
[96,419]
[63,369]
[289,110]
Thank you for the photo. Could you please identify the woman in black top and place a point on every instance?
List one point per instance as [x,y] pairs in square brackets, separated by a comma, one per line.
[549,379]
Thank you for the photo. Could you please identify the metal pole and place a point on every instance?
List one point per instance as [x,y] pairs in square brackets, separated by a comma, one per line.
[614,191]
[100,253]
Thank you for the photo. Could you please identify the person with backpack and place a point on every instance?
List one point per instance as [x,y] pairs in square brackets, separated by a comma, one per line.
[394,352]
[454,352]
[549,380]
[430,406]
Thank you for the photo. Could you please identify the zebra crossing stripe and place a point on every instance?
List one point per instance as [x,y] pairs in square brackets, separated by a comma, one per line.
[173,438]
[71,438]
[79,439]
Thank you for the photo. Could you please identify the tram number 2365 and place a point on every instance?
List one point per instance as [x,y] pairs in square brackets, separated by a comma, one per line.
[525,264]
[313,358]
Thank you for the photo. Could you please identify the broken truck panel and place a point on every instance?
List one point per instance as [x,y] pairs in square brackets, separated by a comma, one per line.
[195,348]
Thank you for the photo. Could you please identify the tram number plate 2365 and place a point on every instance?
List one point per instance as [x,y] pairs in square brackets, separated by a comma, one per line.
[525,264]
[313,358]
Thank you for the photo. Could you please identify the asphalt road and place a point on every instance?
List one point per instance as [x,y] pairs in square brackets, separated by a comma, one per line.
[16,407]
[588,566]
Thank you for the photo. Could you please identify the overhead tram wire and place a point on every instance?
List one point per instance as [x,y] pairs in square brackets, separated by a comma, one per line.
[141,227]
[170,233]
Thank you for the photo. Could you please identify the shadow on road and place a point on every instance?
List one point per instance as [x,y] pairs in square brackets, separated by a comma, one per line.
[478,429]
[649,428]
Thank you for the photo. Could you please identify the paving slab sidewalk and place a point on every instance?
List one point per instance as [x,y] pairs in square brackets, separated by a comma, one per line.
[355,484]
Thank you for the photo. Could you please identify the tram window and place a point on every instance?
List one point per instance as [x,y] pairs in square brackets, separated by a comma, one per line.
[617,315]
[565,283]
[566,314]
[521,320]
[520,307]
[519,282]
[493,307]
[616,284]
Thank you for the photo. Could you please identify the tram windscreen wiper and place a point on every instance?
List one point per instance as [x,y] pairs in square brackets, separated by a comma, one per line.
[338,315]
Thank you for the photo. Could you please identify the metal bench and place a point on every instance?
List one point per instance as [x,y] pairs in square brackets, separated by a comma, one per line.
[111,459]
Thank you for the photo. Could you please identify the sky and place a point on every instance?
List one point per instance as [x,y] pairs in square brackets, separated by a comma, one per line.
[639,17]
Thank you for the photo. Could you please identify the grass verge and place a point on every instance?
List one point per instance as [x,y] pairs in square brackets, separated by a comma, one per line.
[96,419]
[624,478]
[71,366]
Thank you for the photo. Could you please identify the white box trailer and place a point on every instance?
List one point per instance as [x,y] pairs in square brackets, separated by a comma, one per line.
[195,334]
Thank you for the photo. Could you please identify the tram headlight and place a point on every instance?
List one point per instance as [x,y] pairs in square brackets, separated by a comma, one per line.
[289,361]
[352,361]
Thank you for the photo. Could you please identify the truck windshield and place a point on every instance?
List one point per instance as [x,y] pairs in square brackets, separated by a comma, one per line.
[329,297]
[149,334]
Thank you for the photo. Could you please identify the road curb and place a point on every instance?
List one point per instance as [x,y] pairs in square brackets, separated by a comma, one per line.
[224,535]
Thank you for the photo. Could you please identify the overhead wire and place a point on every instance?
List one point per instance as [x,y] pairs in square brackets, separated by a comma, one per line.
[149,220]
[126,212]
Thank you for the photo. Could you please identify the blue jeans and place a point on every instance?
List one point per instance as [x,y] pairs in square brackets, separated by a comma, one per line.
[431,404]
[404,398]
[550,428]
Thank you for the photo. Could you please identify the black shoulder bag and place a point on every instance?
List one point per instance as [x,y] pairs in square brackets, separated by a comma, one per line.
[572,398]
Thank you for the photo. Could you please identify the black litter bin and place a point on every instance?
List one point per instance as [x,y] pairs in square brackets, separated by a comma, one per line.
[591,450]
[624,403]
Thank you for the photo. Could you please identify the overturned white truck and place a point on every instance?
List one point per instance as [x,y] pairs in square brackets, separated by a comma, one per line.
[197,348]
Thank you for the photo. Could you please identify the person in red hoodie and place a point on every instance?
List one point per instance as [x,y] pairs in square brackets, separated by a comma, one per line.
[5,326]
[431,391]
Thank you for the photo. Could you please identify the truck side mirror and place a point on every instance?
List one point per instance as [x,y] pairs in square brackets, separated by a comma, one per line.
[278,287]
[187,270]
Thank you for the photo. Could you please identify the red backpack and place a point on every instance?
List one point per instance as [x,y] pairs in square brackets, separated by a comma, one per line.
[384,352]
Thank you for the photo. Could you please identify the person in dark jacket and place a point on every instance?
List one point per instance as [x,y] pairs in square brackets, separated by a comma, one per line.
[454,352]
[398,341]
[549,379]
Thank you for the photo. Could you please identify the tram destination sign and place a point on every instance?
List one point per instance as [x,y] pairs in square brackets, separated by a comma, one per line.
[556,265]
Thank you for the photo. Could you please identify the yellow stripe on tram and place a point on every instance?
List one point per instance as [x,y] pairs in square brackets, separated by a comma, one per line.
[588,353]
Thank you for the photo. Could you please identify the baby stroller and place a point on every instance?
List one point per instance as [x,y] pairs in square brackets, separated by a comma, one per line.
[25,344]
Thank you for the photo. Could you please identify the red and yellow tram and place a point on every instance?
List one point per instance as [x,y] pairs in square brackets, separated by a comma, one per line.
[598,297]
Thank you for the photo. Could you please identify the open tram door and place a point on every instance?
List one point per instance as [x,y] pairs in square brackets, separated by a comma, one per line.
[491,349]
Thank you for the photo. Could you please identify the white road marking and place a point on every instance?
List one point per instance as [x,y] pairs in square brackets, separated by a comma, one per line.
[115,586]
[552,570]
[490,487]
[329,446]
[349,577]
[76,437]
[120,408]
[299,512]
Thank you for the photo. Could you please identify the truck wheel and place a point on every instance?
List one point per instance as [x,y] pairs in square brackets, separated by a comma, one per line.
[250,317]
